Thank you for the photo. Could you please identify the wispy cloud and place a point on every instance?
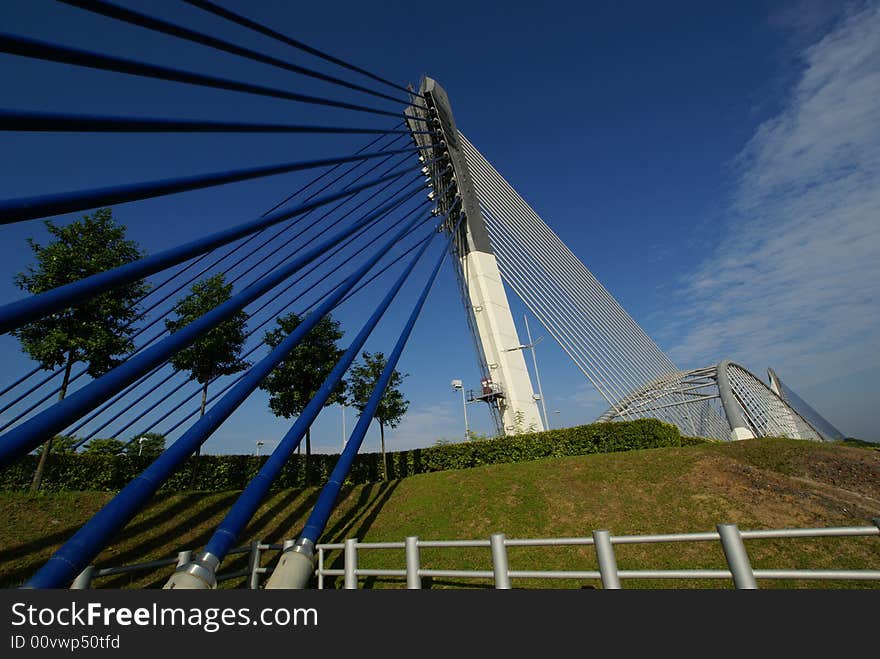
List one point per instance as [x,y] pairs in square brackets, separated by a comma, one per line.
[795,280]
[423,426]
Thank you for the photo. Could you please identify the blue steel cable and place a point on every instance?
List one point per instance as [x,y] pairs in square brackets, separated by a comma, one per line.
[348,296]
[18,313]
[297,192]
[32,432]
[31,121]
[158,335]
[82,547]
[35,49]
[192,278]
[260,343]
[249,500]
[304,274]
[28,208]
[336,221]
[249,352]
[165,27]
[329,493]
[262,29]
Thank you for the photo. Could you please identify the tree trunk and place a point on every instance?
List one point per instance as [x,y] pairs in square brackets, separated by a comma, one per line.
[384,461]
[195,470]
[47,446]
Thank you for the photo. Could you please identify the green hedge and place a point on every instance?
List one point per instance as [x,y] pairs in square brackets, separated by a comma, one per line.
[232,472]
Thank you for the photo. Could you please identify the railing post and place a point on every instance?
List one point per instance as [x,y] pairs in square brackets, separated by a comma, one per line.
[320,568]
[499,561]
[737,557]
[413,580]
[83,580]
[351,564]
[254,566]
[607,561]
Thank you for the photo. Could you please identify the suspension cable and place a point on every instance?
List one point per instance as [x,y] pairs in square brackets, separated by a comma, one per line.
[28,208]
[166,27]
[31,121]
[262,29]
[36,49]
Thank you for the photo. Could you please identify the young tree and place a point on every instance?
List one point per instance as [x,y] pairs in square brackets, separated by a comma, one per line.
[392,406]
[151,447]
[295,381]
[218,351]
[96,331]
[104,446]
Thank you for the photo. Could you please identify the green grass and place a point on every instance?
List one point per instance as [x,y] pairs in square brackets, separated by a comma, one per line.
[755,484]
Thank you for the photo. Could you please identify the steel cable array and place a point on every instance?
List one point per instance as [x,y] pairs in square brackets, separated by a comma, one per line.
[600,337]
[313,252]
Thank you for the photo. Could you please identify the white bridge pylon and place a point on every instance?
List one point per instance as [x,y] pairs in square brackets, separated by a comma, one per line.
[504,241]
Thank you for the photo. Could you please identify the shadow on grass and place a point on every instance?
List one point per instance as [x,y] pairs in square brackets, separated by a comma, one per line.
[359,518]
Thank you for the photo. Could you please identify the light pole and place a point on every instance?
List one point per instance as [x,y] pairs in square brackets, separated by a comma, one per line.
[343,425]
[260,444]
[141,441]
[531,345]
[458,386]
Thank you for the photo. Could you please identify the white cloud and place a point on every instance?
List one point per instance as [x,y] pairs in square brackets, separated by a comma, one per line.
[794,282]
[423,426]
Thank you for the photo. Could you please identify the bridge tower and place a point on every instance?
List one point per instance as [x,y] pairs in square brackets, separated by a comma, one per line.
[505,382]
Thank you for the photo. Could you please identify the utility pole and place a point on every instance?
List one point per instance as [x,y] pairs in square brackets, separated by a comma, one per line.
[537,377]
[458,386]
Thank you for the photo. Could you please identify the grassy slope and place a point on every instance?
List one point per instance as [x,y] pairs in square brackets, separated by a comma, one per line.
[755,484]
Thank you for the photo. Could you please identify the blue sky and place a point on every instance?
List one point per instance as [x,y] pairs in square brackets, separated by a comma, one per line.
[717,167]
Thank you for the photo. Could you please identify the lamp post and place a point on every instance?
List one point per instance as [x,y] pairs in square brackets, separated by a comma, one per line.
[458,386]
[343,425]
[260,444]
[531,345]
[141,441]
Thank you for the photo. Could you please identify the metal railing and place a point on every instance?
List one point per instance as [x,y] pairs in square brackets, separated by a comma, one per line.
[739,568]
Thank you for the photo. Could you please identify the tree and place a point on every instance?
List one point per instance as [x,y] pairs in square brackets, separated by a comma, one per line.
[62,444]
[104,446]
[218,351]
[392,406]
[296,380]
[151,447]
[97,331]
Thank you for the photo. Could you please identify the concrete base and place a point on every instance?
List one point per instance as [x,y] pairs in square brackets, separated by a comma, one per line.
[293,571]
[741,433]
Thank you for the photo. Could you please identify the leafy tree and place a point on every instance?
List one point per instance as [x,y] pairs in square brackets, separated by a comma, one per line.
[152,447]
[218,351]
[392,406]
[97,331]
[62,444]
[296,380]
[104,446]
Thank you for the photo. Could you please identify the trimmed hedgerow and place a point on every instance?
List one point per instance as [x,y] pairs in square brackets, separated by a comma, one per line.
[232,472]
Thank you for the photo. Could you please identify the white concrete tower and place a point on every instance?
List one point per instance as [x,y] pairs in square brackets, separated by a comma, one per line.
[506,385]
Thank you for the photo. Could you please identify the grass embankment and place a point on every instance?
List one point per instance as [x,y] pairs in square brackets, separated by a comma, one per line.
[763,483]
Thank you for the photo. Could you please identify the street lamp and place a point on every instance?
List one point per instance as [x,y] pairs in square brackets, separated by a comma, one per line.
[458,386]
[260,444]
[343,426]
[141,441]
[531,345]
